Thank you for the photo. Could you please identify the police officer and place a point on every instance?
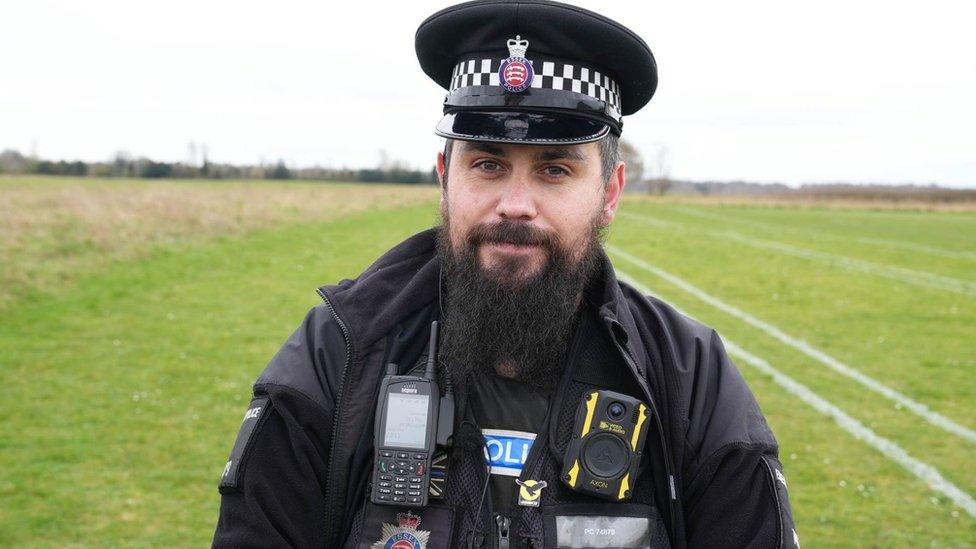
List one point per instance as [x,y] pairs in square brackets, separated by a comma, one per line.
[533,320]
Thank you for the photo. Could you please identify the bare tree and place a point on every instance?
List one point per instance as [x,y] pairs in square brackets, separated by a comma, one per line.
[635,164]
[660,180]
[191,153]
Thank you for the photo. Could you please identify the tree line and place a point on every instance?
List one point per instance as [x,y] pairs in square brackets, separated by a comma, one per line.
[123,165]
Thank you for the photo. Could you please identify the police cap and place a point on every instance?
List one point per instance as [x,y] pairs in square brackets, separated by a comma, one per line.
[534,71]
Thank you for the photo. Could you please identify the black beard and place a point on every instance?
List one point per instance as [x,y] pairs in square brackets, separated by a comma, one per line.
[490,320]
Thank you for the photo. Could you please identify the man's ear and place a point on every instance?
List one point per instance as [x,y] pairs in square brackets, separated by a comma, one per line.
[441,176]
[613,192]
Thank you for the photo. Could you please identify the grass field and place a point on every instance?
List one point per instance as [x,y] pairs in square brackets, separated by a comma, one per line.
[129,338]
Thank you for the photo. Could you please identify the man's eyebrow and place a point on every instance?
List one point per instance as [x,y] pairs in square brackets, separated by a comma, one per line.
[485,147]
[559,154]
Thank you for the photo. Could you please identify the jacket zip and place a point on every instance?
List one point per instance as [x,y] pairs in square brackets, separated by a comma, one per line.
[625,351]
[329,490]
[503,524]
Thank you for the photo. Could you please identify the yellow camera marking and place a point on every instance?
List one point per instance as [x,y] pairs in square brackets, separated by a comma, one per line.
[641,417]
[573,473]
[590,408]
[624,486]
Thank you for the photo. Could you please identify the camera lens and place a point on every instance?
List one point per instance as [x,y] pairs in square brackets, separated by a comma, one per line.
[616,410]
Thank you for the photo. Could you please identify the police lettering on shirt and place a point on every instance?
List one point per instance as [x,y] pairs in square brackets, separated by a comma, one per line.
[230,475]
[506,450]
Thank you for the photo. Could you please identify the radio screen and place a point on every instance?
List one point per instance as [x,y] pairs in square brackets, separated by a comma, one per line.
[406,421]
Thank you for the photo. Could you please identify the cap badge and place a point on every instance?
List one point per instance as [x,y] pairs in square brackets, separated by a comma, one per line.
[515,74]
[404,536]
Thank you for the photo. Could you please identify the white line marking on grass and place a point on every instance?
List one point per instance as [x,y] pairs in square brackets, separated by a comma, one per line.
[932,250]
[884,242]
[902,274]
[923,471]
[918,408]
[911,276]
[927,473]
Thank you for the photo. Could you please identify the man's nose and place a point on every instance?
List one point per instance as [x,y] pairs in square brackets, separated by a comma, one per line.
[516,201]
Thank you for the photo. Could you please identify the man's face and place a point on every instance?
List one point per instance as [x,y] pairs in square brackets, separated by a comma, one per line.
[516,205]
[519,244]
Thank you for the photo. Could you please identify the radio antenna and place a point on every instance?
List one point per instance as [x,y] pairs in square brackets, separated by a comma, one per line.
[432,353]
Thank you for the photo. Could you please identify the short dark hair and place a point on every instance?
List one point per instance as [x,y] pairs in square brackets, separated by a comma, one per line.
[609,155]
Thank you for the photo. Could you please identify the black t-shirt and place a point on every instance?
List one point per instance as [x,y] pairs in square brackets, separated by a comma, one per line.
[510,414]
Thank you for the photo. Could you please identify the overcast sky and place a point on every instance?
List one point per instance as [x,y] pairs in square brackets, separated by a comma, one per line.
[766,91]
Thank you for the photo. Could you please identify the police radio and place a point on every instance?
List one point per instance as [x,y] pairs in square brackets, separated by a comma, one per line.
[406,433]
[605,451]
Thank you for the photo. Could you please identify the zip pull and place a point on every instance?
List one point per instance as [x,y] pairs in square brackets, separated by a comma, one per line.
[503,524]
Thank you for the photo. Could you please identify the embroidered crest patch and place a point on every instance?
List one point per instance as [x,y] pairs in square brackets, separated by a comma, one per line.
[404,536]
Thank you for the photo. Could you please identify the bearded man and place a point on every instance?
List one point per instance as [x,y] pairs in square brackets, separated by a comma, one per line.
[534,325]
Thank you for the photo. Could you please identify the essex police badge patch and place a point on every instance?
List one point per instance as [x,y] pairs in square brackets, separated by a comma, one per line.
[404,536]
[515,73]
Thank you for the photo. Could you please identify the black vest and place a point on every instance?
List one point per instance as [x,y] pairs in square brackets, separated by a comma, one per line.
[463,518]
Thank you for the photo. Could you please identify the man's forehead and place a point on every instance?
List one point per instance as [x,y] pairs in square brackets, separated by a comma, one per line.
[579,153]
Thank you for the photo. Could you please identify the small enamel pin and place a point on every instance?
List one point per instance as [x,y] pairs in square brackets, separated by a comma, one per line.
[515,74]
[530,492]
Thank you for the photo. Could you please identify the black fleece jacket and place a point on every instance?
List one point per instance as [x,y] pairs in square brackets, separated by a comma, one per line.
[299,462]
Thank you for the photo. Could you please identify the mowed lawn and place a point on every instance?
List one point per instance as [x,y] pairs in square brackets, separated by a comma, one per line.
[127,378]
[891,294]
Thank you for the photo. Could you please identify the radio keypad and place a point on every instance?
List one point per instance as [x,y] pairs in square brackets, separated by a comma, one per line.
[401,476]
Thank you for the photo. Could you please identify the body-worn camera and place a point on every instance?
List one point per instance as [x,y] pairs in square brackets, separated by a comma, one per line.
[608,439]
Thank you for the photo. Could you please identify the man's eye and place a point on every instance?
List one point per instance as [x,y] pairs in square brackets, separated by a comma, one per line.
[555,171]
[489,166]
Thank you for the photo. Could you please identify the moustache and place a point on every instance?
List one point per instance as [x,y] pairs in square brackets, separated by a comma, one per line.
[512,232]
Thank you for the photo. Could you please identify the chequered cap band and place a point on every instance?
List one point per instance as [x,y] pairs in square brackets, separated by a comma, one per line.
[552,75]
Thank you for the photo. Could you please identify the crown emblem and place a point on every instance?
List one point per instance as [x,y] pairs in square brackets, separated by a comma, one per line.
[404,536]
[515,73]
[517,46]
[408,520]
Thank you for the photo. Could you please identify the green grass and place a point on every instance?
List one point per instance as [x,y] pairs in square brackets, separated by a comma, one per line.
[126,384]
[916,340]
[124,394]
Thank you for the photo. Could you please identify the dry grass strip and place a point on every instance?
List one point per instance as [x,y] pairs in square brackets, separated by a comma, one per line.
[52,227]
